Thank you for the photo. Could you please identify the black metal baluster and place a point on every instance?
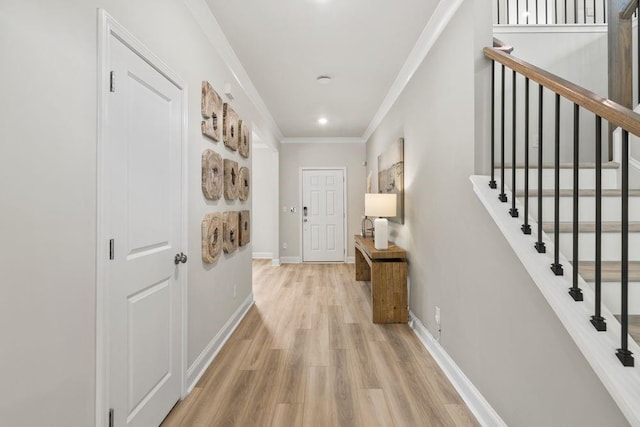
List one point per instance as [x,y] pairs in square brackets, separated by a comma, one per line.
[526,228]
[556,267]
[492,183]
[565,11]
[597,320]
[575,290]
[575,11]
[540,246]
[517,12]
[527,11]
[513,211]
[584,11]
[604,12]
[502,196]
[537,11]
[556,11]
[623,353]
[498,9]
[508,20]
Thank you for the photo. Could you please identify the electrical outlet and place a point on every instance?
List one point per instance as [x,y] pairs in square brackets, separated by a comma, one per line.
[438,316]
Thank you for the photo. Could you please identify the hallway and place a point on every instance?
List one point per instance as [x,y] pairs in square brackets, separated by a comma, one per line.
[308,354]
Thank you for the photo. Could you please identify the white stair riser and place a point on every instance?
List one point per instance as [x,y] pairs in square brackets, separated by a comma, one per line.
[611,208]
[610,246]
[611,296]
[587,178]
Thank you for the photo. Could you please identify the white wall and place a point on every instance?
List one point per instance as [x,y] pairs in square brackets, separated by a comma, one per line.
[495,323]
[264,192]
[295,156]
[48,197]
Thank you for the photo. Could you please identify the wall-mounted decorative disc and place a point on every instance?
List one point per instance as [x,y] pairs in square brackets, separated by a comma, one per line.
[231,131]
[244,143]
[212,112]
[245,228]
[230,242]
[212,237]
[212,175]
[231,178]
[243,184]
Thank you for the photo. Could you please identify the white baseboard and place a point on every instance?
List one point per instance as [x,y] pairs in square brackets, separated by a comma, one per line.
[351,260]
[262,255]
[291,260]
[483,412]
[275,262]
[198,368]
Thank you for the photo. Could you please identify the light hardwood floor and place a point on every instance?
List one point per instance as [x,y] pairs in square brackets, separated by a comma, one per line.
[307,354]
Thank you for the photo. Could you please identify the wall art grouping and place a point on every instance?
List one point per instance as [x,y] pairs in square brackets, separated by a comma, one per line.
[224,232]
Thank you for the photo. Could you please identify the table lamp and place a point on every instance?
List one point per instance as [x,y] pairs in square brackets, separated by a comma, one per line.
[381,205]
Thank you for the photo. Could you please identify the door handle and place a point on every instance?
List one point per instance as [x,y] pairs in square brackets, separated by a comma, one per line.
[304,211]
[180,258]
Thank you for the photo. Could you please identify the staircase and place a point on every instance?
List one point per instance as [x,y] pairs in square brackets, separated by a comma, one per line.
[611,226]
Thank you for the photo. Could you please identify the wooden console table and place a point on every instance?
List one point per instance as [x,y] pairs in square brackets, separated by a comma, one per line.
[387,272]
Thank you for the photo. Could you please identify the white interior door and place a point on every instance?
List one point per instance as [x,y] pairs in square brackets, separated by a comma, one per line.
[323,215]
[143,174]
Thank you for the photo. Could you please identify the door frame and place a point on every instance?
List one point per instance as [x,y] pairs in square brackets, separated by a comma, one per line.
[344,202]
[108,27]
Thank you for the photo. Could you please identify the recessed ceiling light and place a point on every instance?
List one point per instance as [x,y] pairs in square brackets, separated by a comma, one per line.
[323,121]
[323,80]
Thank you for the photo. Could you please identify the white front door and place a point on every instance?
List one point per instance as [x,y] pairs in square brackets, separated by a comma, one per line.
[143,178]
[323,215]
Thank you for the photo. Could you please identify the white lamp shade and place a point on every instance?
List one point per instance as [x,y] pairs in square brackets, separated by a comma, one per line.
[380,204]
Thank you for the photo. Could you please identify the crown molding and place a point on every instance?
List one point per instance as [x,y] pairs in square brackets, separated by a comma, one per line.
[437,23]
[209,25]
[320,140]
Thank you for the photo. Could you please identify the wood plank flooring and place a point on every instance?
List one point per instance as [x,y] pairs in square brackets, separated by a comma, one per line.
[307,354]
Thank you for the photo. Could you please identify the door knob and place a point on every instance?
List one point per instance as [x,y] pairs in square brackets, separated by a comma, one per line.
[180,258]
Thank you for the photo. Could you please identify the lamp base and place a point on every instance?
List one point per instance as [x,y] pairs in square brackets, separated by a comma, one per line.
[381,239]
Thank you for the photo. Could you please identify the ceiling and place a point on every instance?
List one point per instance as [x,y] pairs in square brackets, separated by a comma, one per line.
[284,45]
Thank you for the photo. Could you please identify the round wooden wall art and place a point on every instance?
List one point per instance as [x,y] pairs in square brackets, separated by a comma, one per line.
[211,237]
[243,184]
[212,175]
[230,242]
[231,131]
[212,112]
[245,139]
[231,178]
[245,228]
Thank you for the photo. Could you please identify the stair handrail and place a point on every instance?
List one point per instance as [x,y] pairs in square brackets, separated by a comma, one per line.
[502,46]
[617,116]
[607,109]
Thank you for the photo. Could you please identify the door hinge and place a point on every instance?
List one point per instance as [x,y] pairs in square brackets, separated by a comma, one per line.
[111,417]
[112,81]
[112,249]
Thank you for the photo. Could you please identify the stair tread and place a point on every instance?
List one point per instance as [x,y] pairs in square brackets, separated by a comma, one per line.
[590,226]
[585,165]
[608,192]
[610,271]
